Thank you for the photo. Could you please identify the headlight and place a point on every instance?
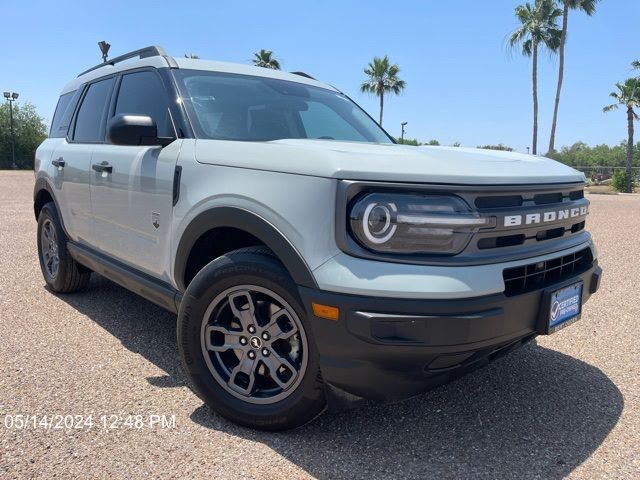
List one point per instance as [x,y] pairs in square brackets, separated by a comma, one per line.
[413,224]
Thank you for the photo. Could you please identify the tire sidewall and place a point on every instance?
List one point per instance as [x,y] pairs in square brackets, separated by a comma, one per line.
[305,402]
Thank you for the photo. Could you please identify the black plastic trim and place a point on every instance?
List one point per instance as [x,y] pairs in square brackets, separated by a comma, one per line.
[303,74]
[177,175]
[251,223]
[388,349]
[181,121]
[146,52]
[40,185]
[146,286]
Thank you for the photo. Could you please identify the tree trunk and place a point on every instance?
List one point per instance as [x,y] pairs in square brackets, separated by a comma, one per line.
[534,79]
[381,105]
[563,38]
[629,173]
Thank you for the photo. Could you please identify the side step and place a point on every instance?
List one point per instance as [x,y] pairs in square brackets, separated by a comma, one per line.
[146,286]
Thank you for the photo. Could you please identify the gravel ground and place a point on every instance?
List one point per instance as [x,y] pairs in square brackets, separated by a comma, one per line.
[567,405]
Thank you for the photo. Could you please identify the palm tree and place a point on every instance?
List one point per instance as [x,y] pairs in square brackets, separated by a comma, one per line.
[382,77]
[588,7]
[538,30]
[628,95]
[264,58]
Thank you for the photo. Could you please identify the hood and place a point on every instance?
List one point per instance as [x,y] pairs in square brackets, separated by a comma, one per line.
[387,163]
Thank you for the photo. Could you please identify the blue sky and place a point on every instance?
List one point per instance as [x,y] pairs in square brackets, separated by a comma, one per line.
[463,84]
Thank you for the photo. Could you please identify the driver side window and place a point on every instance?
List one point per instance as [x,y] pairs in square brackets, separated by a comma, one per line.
[142,93]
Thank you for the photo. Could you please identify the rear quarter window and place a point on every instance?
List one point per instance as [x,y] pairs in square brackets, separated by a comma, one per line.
[62,116]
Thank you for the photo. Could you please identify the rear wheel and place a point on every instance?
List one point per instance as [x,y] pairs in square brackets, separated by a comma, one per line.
[246,344]
[61,272]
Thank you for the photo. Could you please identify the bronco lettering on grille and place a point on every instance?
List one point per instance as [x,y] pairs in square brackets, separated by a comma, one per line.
[545,217]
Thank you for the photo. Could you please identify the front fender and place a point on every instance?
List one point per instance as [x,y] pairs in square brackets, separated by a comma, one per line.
[236,217]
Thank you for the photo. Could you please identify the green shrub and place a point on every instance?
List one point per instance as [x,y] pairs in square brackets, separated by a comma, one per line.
[621,182]
[409,141]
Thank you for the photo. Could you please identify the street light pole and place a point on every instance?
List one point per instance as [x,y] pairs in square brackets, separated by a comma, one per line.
[402,132]
[12,97]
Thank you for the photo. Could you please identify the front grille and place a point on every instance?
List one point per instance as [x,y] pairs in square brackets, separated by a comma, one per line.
[518,205]
[488,202]
[538,275]
[519,239]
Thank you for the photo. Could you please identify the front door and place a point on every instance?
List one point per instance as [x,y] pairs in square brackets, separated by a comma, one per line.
[132,202]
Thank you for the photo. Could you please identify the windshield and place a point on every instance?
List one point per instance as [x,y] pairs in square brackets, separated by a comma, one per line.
[227,106]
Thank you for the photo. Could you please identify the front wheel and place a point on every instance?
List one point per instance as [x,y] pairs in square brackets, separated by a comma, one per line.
[246,343]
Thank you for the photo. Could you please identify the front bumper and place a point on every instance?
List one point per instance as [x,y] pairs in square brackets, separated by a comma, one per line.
[389,349]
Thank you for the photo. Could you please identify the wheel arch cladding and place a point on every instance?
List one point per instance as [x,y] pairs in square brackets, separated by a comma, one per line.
[42,194]
[247,222]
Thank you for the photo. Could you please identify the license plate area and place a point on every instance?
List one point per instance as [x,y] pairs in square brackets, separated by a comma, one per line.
[561,307]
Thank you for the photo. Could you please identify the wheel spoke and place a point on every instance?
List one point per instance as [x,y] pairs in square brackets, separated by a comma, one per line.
[246,367]
[274,329]
[231,339]
[274,362]
[246,316]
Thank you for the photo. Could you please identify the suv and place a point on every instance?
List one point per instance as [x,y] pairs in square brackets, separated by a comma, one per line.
[312,262]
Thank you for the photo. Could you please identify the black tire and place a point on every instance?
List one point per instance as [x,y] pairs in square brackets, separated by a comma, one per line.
[69,275]
[252,266]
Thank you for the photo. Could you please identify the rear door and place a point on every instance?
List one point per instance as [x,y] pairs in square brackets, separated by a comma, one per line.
[133,204]
[71,160]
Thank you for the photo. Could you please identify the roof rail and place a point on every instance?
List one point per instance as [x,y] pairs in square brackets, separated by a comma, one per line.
[152,51]
[302,74]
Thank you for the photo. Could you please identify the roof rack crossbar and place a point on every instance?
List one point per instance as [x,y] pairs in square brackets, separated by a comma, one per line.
[303,74]
[152,51]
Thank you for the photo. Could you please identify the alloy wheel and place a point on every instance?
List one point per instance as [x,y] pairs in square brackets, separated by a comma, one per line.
[49,248]
[254,344]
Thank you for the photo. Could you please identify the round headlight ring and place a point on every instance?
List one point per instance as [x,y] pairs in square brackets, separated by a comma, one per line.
[385,211]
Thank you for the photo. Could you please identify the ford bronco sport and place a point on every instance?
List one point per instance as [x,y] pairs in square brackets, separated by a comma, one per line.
[311,261]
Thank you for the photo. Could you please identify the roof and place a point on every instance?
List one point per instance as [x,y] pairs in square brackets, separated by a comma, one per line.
[161,60]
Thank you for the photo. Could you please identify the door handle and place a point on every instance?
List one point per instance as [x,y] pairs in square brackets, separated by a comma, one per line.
[59,162]
[103,167]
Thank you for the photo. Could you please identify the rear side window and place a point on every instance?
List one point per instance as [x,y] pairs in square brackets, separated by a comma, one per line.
[62,115]
[91,113]
[142,93]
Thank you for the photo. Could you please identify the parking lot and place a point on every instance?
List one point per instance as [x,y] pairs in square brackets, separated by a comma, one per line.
[565,405]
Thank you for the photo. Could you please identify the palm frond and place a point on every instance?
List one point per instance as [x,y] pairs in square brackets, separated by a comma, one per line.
[587,6]
[627,94]
[264,58]
[538,24]
[382,76]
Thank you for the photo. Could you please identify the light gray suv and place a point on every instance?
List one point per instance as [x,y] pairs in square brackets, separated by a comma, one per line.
[311,261]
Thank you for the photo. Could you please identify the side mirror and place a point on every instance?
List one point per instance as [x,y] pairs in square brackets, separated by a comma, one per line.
[126,129]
